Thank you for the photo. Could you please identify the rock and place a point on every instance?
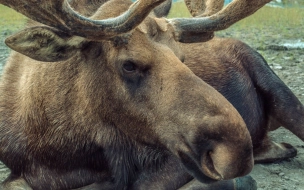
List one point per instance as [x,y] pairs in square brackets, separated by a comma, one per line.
[277,47]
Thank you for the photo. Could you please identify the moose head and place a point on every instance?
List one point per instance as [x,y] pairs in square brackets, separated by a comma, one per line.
[90,85]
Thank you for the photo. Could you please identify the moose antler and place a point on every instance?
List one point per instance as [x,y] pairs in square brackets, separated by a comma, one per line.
[202,28]
[59,14]
[205,7]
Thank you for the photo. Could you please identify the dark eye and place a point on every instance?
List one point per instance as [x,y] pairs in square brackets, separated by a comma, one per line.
[129,67]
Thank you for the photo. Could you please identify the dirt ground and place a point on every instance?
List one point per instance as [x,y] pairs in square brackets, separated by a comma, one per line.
[289,65]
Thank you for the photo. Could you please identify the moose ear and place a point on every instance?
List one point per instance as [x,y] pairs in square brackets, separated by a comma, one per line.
[45,44]
[163,26]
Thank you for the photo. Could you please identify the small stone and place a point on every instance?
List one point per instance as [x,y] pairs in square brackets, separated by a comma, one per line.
[281,174]
[287,58]
[278,67]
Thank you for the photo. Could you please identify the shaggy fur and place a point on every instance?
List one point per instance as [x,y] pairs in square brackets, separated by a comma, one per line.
[126,113]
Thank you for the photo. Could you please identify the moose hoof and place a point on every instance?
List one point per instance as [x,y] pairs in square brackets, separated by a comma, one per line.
[245,183]
[275,152]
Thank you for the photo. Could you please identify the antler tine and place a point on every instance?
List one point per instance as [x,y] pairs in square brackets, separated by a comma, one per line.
[59,14]
[204,8]
[201,29]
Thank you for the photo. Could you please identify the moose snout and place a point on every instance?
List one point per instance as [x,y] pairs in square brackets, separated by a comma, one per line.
[225,162]
[208,134]
[221,162]
[219,149]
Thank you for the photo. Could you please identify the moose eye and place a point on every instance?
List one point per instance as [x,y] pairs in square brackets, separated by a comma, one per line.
[129,67]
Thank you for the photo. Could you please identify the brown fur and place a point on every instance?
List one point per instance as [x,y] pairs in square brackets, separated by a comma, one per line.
[83,122]
[85,119]
[244,78]
[263,100]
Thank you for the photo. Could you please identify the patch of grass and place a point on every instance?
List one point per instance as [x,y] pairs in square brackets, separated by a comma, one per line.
[179,9]
[279,18]
[11,20]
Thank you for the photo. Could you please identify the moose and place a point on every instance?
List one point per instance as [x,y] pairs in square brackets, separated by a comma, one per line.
[121,99]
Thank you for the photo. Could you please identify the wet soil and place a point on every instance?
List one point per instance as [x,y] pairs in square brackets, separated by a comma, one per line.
[289,66]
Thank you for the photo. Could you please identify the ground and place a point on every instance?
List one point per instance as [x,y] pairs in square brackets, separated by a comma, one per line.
[289,65]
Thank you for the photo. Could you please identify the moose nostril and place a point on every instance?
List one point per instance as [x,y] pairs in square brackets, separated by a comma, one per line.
[208,166]
[225,162]
[208,158]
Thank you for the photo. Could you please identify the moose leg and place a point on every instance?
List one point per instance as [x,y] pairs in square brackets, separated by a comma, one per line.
[285,108]
[282,107]
[271,151]
[15,183]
